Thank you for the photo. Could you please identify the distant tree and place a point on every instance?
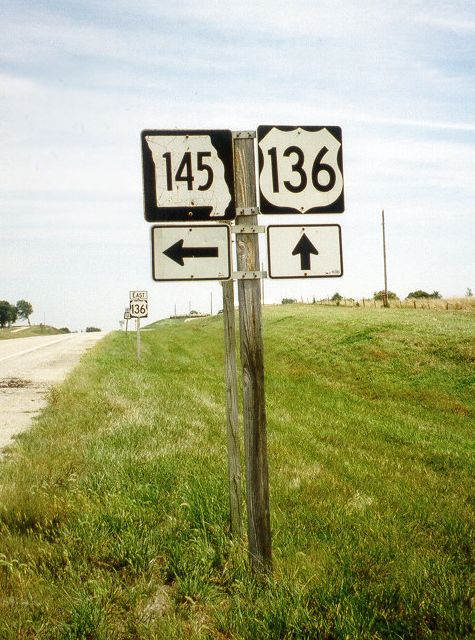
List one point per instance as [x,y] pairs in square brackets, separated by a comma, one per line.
[288,300]
[24,309]
[64,330]
[418,294]
[336,297]
[469,293]
[8,313]
[423,294]
[91,329]
[379,295]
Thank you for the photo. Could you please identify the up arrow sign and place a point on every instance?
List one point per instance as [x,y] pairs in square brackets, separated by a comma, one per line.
[191,252]
[305,248]
[292,251]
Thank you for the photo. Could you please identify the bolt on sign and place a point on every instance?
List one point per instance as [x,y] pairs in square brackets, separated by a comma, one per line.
[300,169]
[188,175]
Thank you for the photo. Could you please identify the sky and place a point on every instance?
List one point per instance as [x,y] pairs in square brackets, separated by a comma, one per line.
[79,81]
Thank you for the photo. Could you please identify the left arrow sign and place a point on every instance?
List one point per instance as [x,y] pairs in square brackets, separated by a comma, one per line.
[177,252]
[191,252]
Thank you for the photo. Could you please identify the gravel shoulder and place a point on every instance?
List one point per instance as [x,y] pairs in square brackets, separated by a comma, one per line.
[29,367]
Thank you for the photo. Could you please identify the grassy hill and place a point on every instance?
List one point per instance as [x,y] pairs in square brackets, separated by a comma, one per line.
[26,332]
[114,507]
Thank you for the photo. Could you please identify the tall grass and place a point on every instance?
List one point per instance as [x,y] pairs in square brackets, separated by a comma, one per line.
[114,507]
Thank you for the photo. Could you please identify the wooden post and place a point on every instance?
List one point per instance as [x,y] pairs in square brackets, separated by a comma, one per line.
[232,427]
[385,295]
[252,360]
[138,339]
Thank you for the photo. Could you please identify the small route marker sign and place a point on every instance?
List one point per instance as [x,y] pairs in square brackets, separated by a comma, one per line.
[188,175]
[191,252]
[300,169]
[138,308]
[304,251]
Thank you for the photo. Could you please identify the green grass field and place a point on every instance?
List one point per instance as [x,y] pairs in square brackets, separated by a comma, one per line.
[114,506]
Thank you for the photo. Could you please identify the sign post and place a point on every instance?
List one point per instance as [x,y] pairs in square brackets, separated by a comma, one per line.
[138,309]
[209,175]
[252,358]
[126,318]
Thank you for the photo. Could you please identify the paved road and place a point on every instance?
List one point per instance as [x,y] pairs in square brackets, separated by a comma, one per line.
[28,369]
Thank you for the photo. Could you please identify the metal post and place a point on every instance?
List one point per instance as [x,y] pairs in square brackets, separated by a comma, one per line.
[252,359]
[138,339]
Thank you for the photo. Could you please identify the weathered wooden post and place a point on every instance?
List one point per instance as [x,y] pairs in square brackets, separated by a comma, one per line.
[232,427]
[252,359]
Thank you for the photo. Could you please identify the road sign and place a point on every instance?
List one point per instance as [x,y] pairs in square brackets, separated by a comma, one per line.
[192,252]
[127,315]
[188,175]
[310,251]
[300,169]
[138,308]
[138,295]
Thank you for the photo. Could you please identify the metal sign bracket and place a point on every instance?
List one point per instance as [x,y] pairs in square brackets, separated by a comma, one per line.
[247,211]
[254,228]
[243,134]
[249,275]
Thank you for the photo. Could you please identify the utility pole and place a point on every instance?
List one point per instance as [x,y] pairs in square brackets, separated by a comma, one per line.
[252,356]
[385,294]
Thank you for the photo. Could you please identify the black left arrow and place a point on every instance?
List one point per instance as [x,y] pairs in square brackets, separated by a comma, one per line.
[177,252]
[305,248]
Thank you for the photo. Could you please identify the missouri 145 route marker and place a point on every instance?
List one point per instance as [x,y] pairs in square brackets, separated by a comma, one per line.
[188,175]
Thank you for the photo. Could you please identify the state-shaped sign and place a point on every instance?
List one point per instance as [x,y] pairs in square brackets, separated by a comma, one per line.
[304,251]
[188,175]
[300,169]
[191,252]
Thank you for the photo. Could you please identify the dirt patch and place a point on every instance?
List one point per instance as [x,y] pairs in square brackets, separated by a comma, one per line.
[14,383]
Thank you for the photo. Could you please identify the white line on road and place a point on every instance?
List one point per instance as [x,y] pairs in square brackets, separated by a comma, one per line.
[21,353]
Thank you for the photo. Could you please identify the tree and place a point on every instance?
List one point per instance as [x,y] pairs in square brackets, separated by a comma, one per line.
[289,300]
[469,293]
[24,309]
[423,294]
[8,313]
[336,297]
[418,294]
[91,329]
[379,295]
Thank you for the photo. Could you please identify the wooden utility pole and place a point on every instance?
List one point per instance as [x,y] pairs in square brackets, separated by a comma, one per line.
[232,426]
[385,295]
[252,358]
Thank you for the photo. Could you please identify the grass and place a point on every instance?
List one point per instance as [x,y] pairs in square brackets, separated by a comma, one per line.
[27,332]
[114,507]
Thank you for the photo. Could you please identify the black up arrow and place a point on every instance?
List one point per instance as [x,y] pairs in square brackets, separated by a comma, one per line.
[305,248]
[177,252]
